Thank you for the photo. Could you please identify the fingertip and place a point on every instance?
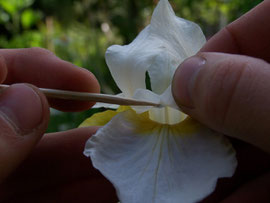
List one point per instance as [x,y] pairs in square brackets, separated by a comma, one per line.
[183,80]
[45,108]
[75,79]
[93,85]
[25,108]
[43,69]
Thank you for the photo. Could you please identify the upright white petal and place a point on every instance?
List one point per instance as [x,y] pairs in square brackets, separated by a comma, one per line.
[129,63]
[149,162]
[184,37]
[158,49]
[179,38]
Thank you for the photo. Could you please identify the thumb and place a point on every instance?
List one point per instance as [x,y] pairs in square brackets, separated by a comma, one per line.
[24,115]
[228,93]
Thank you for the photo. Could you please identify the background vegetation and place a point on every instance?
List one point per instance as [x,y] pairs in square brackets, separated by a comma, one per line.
[80,31]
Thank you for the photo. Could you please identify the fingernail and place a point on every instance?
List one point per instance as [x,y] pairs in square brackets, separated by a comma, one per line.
[22,107]
[183,81]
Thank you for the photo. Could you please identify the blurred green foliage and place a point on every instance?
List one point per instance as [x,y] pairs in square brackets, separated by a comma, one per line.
[80,31]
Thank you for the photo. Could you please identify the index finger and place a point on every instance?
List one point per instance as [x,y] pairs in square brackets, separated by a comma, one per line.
[42,68]
[248,35]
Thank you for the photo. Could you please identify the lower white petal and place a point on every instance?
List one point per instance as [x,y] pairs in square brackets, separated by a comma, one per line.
[149,162]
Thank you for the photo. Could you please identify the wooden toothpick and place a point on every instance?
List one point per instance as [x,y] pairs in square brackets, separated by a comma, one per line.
[93,97]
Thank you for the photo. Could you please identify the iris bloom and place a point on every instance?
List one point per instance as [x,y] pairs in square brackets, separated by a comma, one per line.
[157,154]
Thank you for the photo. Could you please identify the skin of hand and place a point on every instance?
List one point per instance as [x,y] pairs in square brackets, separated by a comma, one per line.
[49,168]
[226,86]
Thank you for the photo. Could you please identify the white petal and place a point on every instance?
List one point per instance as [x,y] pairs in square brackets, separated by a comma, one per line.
[180,40]
[166,99]
[158,49]
[129,63]
[105,105]
[166,115]
[169,114]
[184,37]
[159,163]
[145,95]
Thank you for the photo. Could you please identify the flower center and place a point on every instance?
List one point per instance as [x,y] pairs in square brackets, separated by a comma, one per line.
[166,115]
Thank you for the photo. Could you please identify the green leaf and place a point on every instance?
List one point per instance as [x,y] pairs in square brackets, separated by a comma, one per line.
[29,18]
[8,6]
[13,6]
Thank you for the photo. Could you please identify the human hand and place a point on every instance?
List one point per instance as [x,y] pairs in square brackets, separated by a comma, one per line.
[57,171]
[57,163]
[226,87]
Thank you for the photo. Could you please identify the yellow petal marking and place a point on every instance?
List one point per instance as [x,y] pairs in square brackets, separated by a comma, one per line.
[101,119]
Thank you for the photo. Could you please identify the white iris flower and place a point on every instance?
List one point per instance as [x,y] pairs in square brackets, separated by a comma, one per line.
[151,154]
